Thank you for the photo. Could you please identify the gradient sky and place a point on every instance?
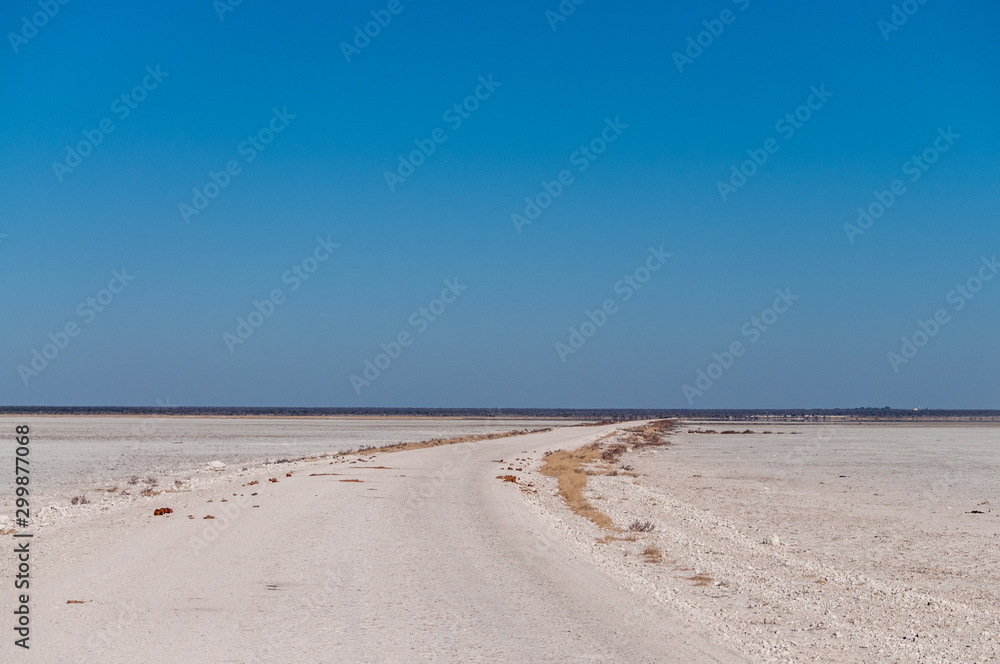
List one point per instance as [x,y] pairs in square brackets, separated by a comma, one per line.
[162,337]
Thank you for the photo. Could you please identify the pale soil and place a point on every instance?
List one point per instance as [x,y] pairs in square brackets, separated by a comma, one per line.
[77,455]
[434,559]
[887,564]
[431,559]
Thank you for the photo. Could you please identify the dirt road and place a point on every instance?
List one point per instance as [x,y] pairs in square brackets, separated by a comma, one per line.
[428,559]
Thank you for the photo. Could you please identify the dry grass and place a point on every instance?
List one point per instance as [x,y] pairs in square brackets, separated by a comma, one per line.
[571,468]
[702,580]
[649,435]
[435,442]
[568,467]
[652,554]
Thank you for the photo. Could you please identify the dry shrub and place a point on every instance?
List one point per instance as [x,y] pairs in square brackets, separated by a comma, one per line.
[79,500]
[641,526]
[612,453]
[651,434]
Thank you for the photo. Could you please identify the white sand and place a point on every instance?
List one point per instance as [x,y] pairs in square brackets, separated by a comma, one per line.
[435,560]
[76,455]
[431,560]
[887,564]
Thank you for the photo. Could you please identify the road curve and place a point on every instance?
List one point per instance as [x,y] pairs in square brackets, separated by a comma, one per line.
[431,559]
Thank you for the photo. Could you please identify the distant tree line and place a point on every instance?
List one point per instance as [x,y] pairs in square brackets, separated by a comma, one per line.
[880,414]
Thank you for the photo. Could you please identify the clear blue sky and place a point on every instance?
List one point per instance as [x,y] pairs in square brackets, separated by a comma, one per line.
[63,232]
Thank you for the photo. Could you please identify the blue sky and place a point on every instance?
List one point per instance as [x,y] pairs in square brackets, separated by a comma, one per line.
[551,92]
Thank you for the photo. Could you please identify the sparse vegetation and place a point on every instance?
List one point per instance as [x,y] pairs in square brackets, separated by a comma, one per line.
[641,526]
[571,468]
[612,453]
[649,435]
[652,554]
[133,480]
[702,580]
[435,442]
[80,500]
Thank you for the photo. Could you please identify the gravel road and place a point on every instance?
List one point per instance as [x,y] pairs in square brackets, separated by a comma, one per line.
[428,558]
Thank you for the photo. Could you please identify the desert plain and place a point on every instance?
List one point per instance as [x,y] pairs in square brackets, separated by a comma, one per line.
[778,542]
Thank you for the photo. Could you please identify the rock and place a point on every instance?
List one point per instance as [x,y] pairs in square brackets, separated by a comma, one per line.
[771,540]
[216,466]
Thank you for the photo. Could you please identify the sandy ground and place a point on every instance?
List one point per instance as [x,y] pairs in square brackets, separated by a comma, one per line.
[429,559]
[879,555]
[76,455]
[841,543]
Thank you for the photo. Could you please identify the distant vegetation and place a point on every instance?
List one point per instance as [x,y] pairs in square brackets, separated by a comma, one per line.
[881,414]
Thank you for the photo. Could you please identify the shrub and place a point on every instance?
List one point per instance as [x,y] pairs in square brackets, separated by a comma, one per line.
[641,527]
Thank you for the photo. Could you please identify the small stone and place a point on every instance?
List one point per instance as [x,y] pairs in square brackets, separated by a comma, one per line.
[771,540]
[216,466]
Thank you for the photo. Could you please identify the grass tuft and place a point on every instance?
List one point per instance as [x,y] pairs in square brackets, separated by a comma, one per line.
[652,554]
